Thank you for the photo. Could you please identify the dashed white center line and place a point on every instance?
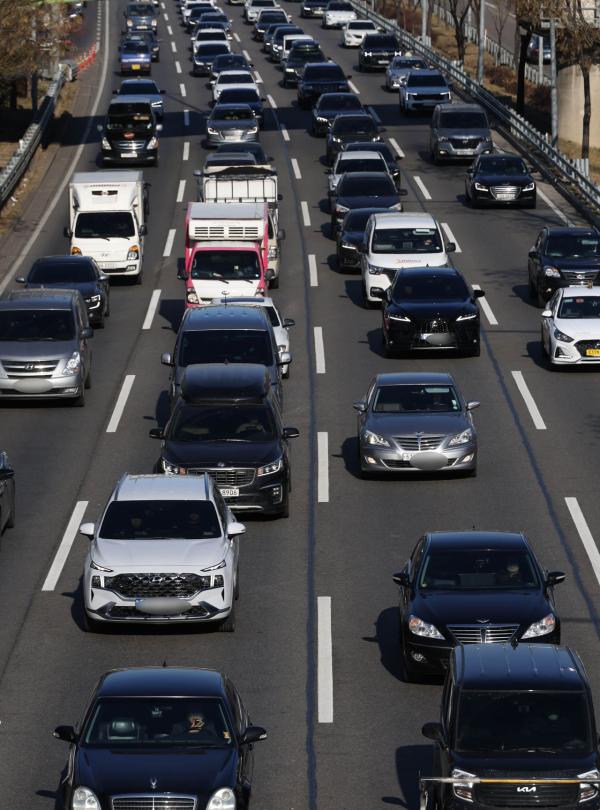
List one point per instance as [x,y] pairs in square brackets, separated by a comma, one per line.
[354,88]
[182,90]
[177,67]
[324,660]
[246,56]
[186,151]
[120,403]
[186,118]
[487,310]
[173,47]
[554,207]
[319,351]
[421,186]
[285,133]
[272,101]
[375,114]
[397,147]
[169,31]
[450,236]
[169,243]
[305,214]
[166,17]
[258,77]
[312,270]
[585,534]
[162,5]
[236,37]
[155,298]
[65,546]
[181,191]
[296,168]
[533,409]
[323,467]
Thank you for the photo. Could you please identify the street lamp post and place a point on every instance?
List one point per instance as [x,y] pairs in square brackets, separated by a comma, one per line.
[481,53]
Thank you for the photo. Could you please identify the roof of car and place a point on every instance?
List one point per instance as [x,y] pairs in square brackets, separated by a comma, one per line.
[523,667]
[573,230]
[404,219]
[224,316]
[161,682]
[231,382]
[462,107]
[363,154]
[414,378]
[475,539]
[43,298]
[161,487]
[49,261]
[580,292]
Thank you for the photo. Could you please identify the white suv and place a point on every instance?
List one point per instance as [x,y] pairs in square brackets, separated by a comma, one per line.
[394,240]
[165,550]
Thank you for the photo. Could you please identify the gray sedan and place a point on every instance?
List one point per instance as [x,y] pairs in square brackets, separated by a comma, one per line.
[231,122]
[399,68]
[416,422]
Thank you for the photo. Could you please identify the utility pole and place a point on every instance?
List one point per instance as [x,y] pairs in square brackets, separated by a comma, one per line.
[553,92]
[424,15]
[481,53]
[540,57]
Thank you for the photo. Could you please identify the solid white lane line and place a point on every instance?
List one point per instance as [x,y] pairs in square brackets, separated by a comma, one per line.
[554,207]
[177,67]
[487,310]
[65,546]
[120,403]
[285,133]
[319,350]
[421,186]
[186,118]
[397,147]
[186,151]
[354,88]
[258,77]
[246,56]
[169,243]
[305,214]
[312,270]
[236,37]
[375,114]
[323,467]
[324,660]
[296,168]
[174,47]
[182,90]
[450,236]
[181,191]
[154,299]
[585,534]
[272,101]
[533,409]
[169,31]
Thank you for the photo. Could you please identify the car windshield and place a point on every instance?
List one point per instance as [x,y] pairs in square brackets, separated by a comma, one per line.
[235,78]
[523,721]
[223,423]
[137,48]
[225,346]
[339,102]
[252,148]
[579,307]
[141,8]
[229,62]
[430,287]
[203,35]
[478,569]
[361,25]
[67,273]
[416,398]
[158,722]
[573,246]
[233,114]
[463,120]
[357,185]
[330,73]
[270,17]
[137,120]
[335,6]
[155,519]
[36,324]
[417,80]
[138,89]
[382,148]
[502,165]
[226,265]
[104,225]
[406,240]
[360,165]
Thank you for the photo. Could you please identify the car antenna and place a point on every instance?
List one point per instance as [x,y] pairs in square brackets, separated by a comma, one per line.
[225,293]
[164,665]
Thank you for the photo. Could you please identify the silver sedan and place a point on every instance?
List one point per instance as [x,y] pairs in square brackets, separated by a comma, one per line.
[231,122]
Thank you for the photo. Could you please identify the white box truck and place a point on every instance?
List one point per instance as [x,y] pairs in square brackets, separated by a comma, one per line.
[108,212]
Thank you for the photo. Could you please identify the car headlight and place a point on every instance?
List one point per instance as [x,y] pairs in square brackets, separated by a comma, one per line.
[341,209]
[529,187]
[552,272]
[396,207]
[467,317]
[481,187]
[192,297]
[374,270]
[271,468]
[375,439]
[461,438]
[321,120]
[222,799]
[443,139]
[133,253]
[402,318]
[169,468]
[402,79]
[367,53]
[153,142]
[541,628]
[588,791]
[106,143]
[212,131]
[129,23]
[447,95]
[94,299]
[97,567]
[420,628]
[273,252]
[73,365]
[84,799]
[75,251]
[561,336]
[252,130]
[463,790]
[217,567]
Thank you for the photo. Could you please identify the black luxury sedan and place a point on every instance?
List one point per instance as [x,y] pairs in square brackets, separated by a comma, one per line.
[472,587]
[563,257]
[161,737]
[500,180]
[317,78]
[73,273]
[301,52]
[377,51]
[363,190]
[351,235]
[227,422]
[430,308]
[229,61]
[348,129]
[7,493]
[329,106]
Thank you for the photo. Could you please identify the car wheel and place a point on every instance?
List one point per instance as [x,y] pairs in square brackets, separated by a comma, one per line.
[139,278]
[107,310]
[543,342]
[285,505]
[88,380]
[387,349]
[409,674]
[90,625]
[79,401]
[236,589]
[274,283]
[533,293]
[228,624]
[332,226]
[366,303]
[474,351]
[541,301]
[100,323]
[474,202]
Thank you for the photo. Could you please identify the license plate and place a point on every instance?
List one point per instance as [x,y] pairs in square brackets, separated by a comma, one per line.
[383,61]
[129,154]
[592,352]
[505,196]
[463,151]
[406,456]
[230,492]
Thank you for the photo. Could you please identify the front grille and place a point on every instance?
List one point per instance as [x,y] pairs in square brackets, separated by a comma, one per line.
[430,96]
[580,276]
[139,586]
[512,191]
[438,326]
[29,368]
[483,634]
[415,442]
[324,88]
[164,801]
[583,345]
[465,143]
[126,612]
[127,146]
[510,796]
[399,464]
[228,478]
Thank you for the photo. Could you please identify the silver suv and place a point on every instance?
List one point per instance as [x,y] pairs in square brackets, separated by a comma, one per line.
[459,132]
[44,345]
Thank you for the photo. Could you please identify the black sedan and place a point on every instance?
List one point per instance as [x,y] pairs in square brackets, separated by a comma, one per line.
[246,96]
[301,52]
[351,235]
[73,273]
[563,257]
[500,180]
[159,735]
[229,61]
[377,146]
[472,588]
[7,493]
[348,128]
[363,190]
[317,78]
[205,56]
[329,106]
[430,308]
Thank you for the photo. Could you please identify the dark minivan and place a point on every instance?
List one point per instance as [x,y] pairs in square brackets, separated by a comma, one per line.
[130,132]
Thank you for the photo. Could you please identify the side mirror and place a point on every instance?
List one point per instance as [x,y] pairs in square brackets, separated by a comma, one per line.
[156,433]
[450,247]
[103,277]
[434,731]
[280,197]
[263,99]
[87,333]
[115,92]
[285,358]
[253,734]
[377,293]
[87,530]
[281,234]
[287,322]
[547,313]
[533,254]
[234,528]
[472,405]
[143,229]
[20,279]
[361,406]
[162,92]
[402,192]
[381,129]
[166,359]
[349,76]
[291,433]
[554,578]
[478,293]
[67,232]
[402,579]
[65,733]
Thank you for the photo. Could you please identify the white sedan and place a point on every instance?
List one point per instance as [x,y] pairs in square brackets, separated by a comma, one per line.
[337,14]
[571,326]
[233,80]
[355,31]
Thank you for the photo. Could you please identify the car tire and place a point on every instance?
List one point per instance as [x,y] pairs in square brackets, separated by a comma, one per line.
[139,278]
[533,293]
[100,323]
[474,351]
[366,303]
[88,380]
[473,202]
[387,349]
[90,625]
[285,505]
[79,401]
[409,674]
[228,624]
[274,283]
[541,302]
[236,588]
[10,523]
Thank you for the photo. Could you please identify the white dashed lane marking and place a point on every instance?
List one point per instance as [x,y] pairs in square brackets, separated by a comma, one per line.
[487,310]
[305,214]
[312,270]
[529,401]
[585,534]
[155,298]
[322,467]
[65,546]
[296,168]
[421,186]
[450,236]
[324,660]
[120,403]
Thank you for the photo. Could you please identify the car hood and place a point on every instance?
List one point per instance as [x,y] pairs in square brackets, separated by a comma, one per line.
[134,57]
[452,132]
[144,555]
[519,180]
[38,350]
[367,201]
[243,124]
[468,607]
[391,424]
[433,309]
[211,454]
[352,137]
[496,763]
[111,771]
[579,328]
[86,288]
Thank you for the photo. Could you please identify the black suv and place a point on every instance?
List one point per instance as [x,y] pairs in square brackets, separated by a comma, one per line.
[520,717]
[563,257]
[377,51]
[228,423]
[130,132]
[317,78]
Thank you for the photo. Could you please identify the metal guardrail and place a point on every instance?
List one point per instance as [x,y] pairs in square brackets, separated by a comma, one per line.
[562,171]
[18,163]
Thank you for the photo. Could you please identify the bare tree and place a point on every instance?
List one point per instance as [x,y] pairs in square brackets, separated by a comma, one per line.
[500,18]
[458,11]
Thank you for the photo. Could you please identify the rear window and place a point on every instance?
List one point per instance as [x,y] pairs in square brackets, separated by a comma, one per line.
[408,240]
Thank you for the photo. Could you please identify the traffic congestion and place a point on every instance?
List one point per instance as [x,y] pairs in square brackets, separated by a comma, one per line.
[315,515]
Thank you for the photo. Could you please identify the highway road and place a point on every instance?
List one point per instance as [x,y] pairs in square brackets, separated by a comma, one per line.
[316,590]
